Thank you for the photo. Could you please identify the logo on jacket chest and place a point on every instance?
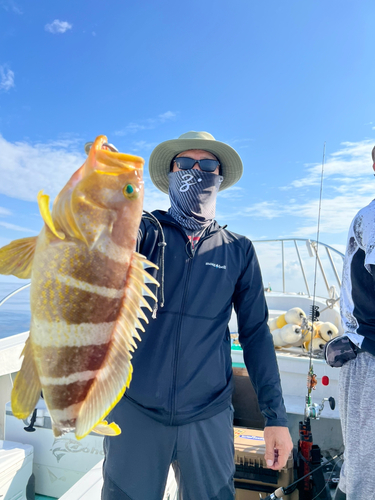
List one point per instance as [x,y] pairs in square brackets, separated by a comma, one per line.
[218,266]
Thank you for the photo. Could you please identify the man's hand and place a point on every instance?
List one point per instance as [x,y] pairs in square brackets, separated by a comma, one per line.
[278,446]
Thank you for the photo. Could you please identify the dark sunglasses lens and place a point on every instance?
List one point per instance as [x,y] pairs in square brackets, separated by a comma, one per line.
[185,163]
[208,165]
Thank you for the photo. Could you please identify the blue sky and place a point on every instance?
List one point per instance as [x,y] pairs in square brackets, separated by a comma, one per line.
[275,80]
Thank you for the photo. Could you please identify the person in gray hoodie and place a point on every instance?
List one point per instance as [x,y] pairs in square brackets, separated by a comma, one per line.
[178,408]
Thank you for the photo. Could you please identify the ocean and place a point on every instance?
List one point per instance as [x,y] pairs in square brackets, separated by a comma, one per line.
[14,313]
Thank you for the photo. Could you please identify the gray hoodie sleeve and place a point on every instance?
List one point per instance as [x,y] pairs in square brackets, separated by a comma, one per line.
[256,340]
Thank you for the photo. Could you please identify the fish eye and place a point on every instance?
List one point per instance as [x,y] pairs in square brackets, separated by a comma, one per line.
[131,192]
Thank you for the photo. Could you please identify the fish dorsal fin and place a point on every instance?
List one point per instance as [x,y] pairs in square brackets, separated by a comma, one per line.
[43,202]
[17,257]
[27,386]
[116,372]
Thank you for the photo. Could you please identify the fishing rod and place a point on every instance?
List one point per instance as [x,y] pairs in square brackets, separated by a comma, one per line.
[309,455]
[287,490]
[314,410]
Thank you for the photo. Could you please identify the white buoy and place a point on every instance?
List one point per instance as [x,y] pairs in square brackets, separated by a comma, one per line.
[272,323]
[328,331]
[291,334]
[317,345]
[281,321]
[277,339]
[295,316]
[308,332]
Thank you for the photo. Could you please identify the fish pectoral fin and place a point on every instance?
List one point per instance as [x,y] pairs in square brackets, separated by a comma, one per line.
[27,387]
[106,429]
[17,257]
[43,202]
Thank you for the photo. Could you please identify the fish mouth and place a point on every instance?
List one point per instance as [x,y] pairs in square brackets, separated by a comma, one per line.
[108,154]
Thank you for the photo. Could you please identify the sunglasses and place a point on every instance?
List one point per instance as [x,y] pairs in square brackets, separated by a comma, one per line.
[207,165]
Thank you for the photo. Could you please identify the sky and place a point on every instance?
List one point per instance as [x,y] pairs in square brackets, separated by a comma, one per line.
[287,84]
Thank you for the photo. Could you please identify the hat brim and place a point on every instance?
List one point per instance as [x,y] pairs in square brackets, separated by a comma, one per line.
[163,154]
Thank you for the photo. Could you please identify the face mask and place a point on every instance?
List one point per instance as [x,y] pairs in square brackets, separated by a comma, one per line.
[193,197]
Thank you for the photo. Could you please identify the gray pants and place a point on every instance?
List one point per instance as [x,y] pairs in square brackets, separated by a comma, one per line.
[357,412]
[137,461]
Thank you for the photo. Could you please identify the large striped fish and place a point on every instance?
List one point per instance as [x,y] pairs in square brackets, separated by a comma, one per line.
[87,286]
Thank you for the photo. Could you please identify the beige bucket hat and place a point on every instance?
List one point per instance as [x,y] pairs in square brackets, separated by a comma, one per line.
[163,154]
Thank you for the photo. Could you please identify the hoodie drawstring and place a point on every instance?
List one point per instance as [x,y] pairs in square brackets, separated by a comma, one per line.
[161,260]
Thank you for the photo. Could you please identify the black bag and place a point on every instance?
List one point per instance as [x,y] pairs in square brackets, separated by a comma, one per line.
[339,351]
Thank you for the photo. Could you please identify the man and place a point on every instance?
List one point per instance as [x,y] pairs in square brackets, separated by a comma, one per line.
[177,409]
[357,376]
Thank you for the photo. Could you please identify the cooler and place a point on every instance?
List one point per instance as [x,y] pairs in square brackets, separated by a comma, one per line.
[252,475]
[58,462]
[16,468]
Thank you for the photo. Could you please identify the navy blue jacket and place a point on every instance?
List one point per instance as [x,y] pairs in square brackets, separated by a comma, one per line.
[183,367]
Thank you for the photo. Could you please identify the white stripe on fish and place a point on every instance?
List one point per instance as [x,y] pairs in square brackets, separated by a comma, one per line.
[112,251]
[70,379]
[63,334]
[111,293]
[67,413]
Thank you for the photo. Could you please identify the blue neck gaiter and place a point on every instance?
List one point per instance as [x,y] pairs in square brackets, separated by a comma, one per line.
[193,197]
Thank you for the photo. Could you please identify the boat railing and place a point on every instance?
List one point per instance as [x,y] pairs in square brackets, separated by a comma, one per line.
[314,249]
[11,294]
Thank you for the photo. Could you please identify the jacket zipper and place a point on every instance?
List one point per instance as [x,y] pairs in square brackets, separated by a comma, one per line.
[177,344]
[178,336]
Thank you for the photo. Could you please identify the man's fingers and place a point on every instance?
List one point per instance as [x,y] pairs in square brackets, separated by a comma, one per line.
[278,446]
[283,456]
[270,454]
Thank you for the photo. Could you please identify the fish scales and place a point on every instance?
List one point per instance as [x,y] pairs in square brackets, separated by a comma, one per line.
[86,286]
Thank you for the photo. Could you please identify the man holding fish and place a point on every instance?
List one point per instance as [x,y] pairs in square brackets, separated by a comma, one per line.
[87,293]
[177,409]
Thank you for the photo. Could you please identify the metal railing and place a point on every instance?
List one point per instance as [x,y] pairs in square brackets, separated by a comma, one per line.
[313,248]
[19,289]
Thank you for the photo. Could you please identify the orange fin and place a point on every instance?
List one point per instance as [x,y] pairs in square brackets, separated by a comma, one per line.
[27,386]
[106,429]
[43,202]
[17,257]
[110,384]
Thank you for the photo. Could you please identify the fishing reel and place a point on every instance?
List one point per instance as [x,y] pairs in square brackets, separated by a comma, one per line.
[314,410]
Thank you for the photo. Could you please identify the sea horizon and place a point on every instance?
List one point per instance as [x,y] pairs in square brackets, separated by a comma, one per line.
[15,312]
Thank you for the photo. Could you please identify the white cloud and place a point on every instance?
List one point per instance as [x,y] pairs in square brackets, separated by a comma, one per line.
[168,115]
[154,199]
[270,259]
[10,5]
[6,78]
[240,143]
[26,168]
[336,213]
[142,146]
[4,211]
[264,209]
[147,124]
[232,192]
[14,227]
[352,160]
[348,185]
[58,27]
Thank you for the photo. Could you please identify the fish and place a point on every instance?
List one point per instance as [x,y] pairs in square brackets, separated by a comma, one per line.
[87,294]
